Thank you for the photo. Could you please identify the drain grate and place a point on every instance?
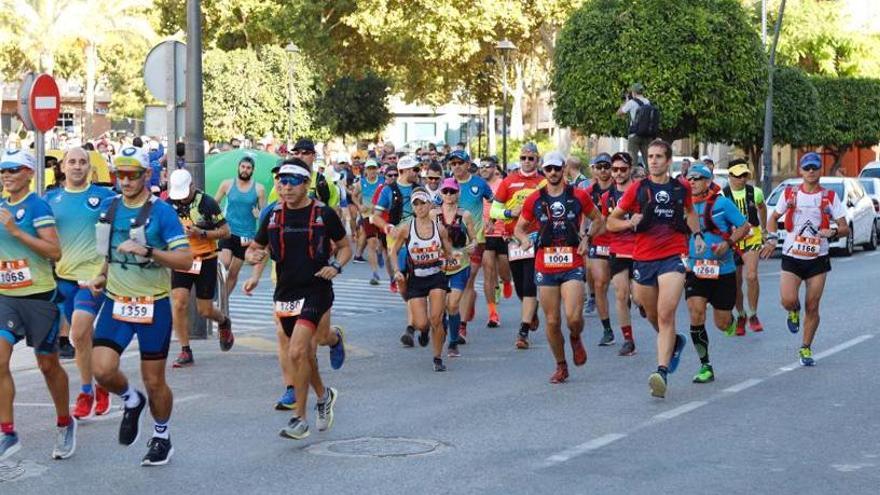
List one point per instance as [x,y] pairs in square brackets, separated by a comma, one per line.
[378,447]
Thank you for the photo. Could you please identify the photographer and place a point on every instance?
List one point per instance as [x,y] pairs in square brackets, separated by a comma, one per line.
[644,119]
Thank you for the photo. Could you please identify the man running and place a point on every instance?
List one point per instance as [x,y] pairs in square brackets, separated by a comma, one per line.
[662,215]
[244,200]
[559,209]
[204,224]
[28,246]
[364,189]
[600,249]
[711,277]
[812,216]
[77,207]
[750,201]
[506,208]
[141,238]
[302,236]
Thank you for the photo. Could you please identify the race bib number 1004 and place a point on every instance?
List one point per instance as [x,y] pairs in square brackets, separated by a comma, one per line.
[559,257]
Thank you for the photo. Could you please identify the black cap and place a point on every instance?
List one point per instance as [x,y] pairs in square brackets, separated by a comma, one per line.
[304,144]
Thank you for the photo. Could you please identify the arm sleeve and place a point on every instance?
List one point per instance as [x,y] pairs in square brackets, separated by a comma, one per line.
[497,210]
[759,196]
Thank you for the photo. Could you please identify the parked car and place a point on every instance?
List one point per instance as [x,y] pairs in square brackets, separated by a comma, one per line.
[872,189]
[860,214]
[722,177]
[871,170]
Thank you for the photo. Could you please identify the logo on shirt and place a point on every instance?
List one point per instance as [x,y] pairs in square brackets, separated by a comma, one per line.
[19,214]
[662,197]
[475,190]
[557,209]
[93,202]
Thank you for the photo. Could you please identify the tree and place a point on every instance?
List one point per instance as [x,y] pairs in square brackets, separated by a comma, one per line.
[849,115]
[701,62]
[351,107]
[41,28]
[227,24]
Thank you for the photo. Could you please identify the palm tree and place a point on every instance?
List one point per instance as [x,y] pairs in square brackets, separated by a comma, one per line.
[43,26]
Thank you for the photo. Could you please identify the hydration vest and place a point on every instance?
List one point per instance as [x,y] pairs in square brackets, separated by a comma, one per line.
[573,212]
[790,198]
[456,229]
[137,231]
[751,211]
[647,203]
[395,212]
[319,249]
[596,193]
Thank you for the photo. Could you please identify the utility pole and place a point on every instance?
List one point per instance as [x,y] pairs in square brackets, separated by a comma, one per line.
[767,182]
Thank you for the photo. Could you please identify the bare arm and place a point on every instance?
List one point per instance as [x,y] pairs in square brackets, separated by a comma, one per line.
[261,197]
[471,231]
[521,233]
[222,190]
[45,244]
[617,221]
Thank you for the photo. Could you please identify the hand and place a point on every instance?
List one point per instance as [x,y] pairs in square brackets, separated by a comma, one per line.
[767,249]
[192,230]
[720,249]
[827,233]
[255,256]
[583,246]
[398,275]
[635,219]
[515,211]
[327,273]
[96,285]
[132,247]
[7,221]
[699,245]
[249,285]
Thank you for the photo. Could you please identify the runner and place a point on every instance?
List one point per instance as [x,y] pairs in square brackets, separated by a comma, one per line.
[621,245]
[662,215]
[307,241]
[711,276]
[364,190]
[77,208]
[495,262]
[600,249]
[244,200]
[508,204]
[812,216]
[750,201]
[141,239]
[204,224]
[427,246]
[433,177]
[559,210]
[28,246]
[459,225]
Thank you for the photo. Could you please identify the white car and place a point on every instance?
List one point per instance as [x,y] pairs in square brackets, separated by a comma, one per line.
[872,189]
[871,170]
[859,212]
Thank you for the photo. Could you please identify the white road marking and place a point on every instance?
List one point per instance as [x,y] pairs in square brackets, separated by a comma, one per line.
[739,387]
[678,411]
[583,448]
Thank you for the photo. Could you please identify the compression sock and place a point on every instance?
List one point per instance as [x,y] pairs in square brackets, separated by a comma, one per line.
[701,342]
[160,429]
[606,324]
[751,312]
[7,428]
[493,308]
[627,331]
[454,322]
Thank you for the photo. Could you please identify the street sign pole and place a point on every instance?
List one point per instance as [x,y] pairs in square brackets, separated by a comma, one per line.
[39,103]
[767,182]
[171,106]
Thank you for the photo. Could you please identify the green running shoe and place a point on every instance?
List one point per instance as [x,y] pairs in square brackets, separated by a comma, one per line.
[794,321]
[705,375]
[806,356]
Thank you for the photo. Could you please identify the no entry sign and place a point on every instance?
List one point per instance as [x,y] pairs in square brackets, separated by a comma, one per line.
[45,102]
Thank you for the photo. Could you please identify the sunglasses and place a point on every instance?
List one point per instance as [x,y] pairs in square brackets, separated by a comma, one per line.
[694,179]
[449,192]
[291,180]
[811,167]
[524,158]
[743,176]
[129,174]
[391,176]
[13,170]
[552,168]
[602,166]
[302,152]
[619,169]
[432,178]
[456,162]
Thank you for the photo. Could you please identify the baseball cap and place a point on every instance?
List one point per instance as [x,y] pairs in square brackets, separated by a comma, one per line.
[637,87]
[601,158]
[371,163]
[304,145]
[530,147]
[512,166]
[420,194]
[553,158]
[289,168]
[342,157]
[406,162]
[17,158]
[449,183]
[739,169]
[459,155]
[700,171]
[811,158]
[131,157]
[178,184]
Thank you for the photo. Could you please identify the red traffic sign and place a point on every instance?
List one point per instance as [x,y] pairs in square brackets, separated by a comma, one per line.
[45,102]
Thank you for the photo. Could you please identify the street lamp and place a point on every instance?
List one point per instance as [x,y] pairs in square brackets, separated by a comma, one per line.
[486,78]
[505,47]
[293,50]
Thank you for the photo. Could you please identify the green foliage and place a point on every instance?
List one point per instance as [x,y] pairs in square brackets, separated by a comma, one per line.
[352,107]
[700,61]
[849,114]
[246,93]
[227,24]
[120,64]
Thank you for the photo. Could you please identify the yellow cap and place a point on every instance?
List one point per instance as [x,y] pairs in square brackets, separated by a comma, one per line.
[739,169]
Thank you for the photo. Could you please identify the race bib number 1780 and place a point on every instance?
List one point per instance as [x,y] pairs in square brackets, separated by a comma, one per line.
[287,309]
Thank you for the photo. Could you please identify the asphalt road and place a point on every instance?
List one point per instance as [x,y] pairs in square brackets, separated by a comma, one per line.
[493,423]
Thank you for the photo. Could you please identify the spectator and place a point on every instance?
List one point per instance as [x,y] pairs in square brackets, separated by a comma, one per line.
[634,99]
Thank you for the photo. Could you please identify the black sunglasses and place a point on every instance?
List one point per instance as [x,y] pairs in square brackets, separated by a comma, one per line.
[602,166]
[552,168]
[449,191]
[432,178]
[524,158]
[811,167]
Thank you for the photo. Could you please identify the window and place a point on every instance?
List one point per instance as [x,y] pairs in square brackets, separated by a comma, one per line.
[868,184]
[65,120]
[423,130]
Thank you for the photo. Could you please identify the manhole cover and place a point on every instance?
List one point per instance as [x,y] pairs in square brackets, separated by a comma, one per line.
[19,470]
[377,447]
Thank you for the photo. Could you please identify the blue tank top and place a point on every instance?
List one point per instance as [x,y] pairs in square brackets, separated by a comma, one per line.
[368,189]
[240,210]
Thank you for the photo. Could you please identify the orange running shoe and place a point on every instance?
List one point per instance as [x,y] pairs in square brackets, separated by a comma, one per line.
[84,405]
[579,354]
[102,401]
[561,373]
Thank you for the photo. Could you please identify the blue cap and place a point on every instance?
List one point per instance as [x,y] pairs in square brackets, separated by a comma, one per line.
[811,158]
[460,155]
[700,171]
[601,158]
[530,147]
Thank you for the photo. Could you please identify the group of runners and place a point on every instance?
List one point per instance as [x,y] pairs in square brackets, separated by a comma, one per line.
[112,266]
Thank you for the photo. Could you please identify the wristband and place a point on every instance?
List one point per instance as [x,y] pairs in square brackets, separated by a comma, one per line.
[698,234]
[508,214]
[336,266]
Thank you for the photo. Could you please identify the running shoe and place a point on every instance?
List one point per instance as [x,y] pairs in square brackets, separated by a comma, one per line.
[590,307]
[806,355]
[705,375]
[374,280]
[337,352]
[184,360]
[380,260]
[296,429]
[439,367]
[65,441]
[159,452]
[287,401]
[393,287]
[462,334]
[508,289]
[358,259]
[9,445]
[129,428]
[607,338]
[407,338]
[522,340]
[755,324]
[578,353]
[453,352]
[680,341]
[324,421]
[84,407]
[794,321]
[657,383]
[730,331]
[740,326]
[102,401]
[628,348]
[494,319]
[66,351]
[561,373]
[225,336]
[424,338]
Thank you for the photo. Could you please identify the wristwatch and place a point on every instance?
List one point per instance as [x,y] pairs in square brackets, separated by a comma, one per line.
[335,264]
[149,253]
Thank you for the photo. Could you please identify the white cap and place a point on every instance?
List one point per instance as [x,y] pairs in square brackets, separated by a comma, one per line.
[343,157]
[513,166]
[178,184]
[331,174]
[293,170]
[407,162]
[17,158]
[420,195]
[553,158]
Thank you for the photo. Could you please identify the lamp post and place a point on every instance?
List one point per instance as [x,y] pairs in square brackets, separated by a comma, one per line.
[505,47]
[292,49]
[487,79]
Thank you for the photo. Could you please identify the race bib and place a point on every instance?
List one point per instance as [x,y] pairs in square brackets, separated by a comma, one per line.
[807,247]
[602,250]
[133,309]
[710,269]
[559,257]
[425,255]
[453,263]
[15,274]
[287,309]
[196,267]
[516,252]
[245,241]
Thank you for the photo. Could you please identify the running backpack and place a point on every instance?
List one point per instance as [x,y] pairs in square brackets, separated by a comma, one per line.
[104,228]
[790,198]
[646,124]
[647,203]
[751,208]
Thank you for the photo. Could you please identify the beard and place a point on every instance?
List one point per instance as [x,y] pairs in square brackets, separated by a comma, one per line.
[245,175]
